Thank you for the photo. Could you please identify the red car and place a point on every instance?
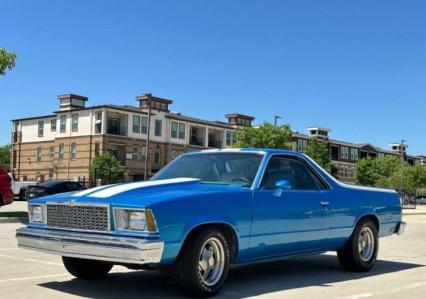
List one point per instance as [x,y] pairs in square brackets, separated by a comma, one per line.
[6,194]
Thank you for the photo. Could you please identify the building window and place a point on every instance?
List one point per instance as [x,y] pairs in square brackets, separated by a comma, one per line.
[344,152]
[302,144]
[181,131]
[40,128]
[230,138]
[61,151]
[73,151]
[158,125]
[135,153]
[174,129]
[157,156]
[136,124]
[354,154]
[50,173]
[98,122]
[74,122]
[53,125]
[39,154]
[144,128]
[52,152]
[63,123]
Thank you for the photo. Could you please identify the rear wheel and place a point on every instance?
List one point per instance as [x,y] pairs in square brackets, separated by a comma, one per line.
[86,269]
[203,264]
[360,252]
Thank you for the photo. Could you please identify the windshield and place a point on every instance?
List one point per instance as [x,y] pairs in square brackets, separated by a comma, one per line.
[225,168]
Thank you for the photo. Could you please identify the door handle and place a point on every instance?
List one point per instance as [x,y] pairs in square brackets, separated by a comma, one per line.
[324,204]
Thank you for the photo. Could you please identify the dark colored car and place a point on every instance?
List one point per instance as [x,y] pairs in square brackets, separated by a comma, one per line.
[6,194]
[51,187]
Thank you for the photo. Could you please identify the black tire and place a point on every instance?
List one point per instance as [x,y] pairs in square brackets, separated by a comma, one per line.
[350,256]
[187,268]
[86,269]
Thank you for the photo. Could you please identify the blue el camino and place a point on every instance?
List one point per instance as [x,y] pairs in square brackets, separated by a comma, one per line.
[208,209]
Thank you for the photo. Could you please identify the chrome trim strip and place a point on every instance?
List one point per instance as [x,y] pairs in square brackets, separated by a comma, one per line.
[115,249]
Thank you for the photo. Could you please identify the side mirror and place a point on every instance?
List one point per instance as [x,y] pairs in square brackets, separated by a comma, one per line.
[280,186]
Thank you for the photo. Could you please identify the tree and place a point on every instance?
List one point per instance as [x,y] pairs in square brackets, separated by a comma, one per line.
[319,151]
[5,156]
[7,61]
[264,136]
[386,173]
[414,178]
[375,172]
[365,172]
[107,168]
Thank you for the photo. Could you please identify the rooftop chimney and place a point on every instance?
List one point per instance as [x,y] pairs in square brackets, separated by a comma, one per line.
[71,101]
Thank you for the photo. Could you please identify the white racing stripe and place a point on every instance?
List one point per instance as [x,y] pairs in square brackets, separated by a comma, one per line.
[114,190]
[88,191]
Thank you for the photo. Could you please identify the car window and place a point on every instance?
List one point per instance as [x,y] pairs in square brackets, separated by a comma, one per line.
[292,170]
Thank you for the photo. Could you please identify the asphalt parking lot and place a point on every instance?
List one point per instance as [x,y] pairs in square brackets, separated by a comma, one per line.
[399,273]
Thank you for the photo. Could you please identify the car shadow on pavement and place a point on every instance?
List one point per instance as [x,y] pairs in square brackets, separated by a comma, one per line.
[244,281]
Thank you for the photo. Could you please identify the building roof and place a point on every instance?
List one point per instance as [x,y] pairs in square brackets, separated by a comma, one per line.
[179,116]
[146,97]
[231,115]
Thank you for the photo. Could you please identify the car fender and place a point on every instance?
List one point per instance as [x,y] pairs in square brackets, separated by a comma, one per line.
[208,219]
[366,212]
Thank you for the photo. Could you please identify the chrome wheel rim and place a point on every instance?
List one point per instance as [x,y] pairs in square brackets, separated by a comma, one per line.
[211,262]
[366,244]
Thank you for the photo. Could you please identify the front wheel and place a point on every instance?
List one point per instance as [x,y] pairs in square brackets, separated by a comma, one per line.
[86,269]
[203,264]
[360,252]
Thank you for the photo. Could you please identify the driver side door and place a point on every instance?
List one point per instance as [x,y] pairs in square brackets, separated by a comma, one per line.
[291,220]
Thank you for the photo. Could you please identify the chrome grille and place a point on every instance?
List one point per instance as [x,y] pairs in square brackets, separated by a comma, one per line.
[79,217]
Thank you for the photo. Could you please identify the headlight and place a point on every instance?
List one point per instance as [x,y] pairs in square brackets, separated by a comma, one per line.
[130,219]
[35,213]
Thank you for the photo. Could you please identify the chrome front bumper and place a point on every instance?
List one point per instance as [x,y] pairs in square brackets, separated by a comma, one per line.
[116,249]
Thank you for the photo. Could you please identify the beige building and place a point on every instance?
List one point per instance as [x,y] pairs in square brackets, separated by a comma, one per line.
[62,144]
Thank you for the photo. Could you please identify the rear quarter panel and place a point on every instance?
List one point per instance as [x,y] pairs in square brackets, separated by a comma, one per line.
[350,204]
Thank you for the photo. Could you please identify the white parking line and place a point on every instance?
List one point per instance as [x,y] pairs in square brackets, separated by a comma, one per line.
[11,248]
[30,260]
[32,277]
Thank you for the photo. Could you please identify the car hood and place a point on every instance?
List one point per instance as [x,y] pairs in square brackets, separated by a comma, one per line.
[141,194]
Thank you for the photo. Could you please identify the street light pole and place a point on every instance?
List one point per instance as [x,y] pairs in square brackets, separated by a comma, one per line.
[145,175]
[276,117]
[402,163]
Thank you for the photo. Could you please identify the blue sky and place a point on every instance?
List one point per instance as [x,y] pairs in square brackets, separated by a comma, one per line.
[356,67]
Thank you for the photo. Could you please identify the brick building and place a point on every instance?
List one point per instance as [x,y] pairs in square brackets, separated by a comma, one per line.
[345,155]
[63,144]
